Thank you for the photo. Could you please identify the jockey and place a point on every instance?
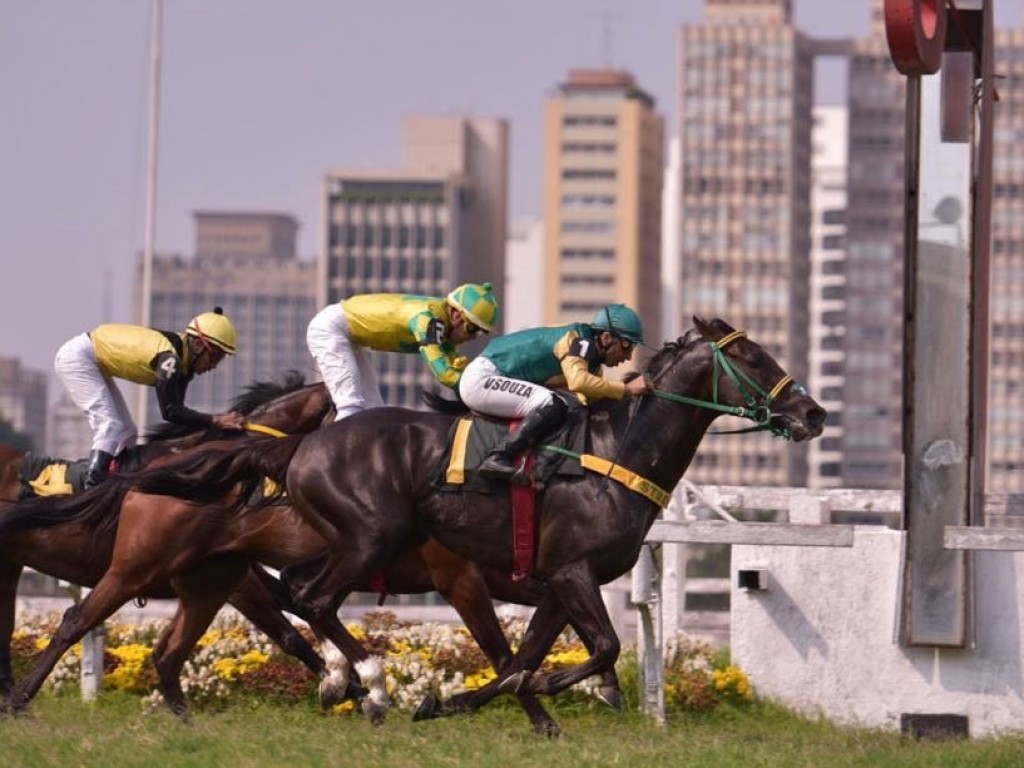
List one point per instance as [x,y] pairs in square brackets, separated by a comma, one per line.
[164,360]
[511,377]
[340,335]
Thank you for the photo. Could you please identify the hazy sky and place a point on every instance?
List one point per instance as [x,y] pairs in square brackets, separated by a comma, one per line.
[259,98]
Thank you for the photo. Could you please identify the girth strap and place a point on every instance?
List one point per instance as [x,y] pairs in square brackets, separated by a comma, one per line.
[617,472]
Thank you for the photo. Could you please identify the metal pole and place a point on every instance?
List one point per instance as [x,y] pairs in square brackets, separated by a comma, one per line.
[145,314]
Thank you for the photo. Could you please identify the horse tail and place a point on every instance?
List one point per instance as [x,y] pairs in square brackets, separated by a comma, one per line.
[98,508]
[209,473]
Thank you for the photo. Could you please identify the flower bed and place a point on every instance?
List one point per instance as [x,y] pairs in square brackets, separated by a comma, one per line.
[234,661]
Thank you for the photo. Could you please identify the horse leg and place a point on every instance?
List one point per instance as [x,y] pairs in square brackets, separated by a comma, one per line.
[108,595]
[579,592]
[254,600]
[463,586]
[202,591]
[10,573]
[546,624]
[261,598]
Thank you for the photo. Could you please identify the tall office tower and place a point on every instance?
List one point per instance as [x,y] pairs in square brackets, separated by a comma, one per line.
[746,89]
[70,433]
[604,166]
[245,263]
[1006,302]
[23,400]
[873,343]
[828,289]
[522,303]
[434,224]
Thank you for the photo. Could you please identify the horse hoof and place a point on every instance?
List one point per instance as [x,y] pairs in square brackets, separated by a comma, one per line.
[328,693]
[514,683]
[610,696]
[549,729]
[427,710]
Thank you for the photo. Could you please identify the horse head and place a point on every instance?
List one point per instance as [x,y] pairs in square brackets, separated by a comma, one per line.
[726,372]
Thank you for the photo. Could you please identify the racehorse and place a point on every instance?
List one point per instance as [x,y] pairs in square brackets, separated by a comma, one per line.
[202,551]
[365,485]
[78,549]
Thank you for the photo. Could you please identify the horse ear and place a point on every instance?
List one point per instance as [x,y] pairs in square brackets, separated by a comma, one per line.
[704,327]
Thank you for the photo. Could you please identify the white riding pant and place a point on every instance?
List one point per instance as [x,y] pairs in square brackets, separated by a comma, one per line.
[484,389]
[346,367]
[113,428]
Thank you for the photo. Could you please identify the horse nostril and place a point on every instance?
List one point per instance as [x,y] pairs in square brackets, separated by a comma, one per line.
[816,416]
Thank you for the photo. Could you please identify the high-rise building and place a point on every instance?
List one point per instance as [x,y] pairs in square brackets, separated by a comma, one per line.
[246,263]
[746,90]
[522,304]
[23,400]
[436,223]
[1006,302]
[604,166]
[828,289]
[70,433]
[873,342]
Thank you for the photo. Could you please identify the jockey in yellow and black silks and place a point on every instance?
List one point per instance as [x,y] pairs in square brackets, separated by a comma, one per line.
[164,360]
[340,336]
[512,378]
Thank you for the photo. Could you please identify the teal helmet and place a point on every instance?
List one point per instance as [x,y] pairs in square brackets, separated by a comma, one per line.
[620,320]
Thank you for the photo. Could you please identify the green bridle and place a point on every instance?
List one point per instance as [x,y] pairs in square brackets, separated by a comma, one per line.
[758,401]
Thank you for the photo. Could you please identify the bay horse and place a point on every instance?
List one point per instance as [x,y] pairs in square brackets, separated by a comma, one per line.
[202,552]
[59,541]
[366,486]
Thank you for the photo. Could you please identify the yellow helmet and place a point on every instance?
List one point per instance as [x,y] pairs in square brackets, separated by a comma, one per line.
[215,328]
[476,302]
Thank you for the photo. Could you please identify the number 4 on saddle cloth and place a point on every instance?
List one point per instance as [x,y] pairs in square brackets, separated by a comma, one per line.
[48,476]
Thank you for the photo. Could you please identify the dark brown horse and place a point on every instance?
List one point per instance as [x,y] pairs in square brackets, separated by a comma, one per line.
[366,486]
[202,551]
[78,548]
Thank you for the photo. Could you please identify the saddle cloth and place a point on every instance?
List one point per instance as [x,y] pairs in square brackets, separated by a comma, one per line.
[472,438]
[47,476]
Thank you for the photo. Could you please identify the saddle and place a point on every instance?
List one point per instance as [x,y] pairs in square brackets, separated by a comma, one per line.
[472,438]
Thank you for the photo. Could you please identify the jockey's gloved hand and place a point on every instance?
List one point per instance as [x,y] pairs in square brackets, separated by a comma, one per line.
[230,420]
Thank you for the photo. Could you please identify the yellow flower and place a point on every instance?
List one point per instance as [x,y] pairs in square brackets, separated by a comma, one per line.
[732,682]
[568,658]
[479,679]
[345,708]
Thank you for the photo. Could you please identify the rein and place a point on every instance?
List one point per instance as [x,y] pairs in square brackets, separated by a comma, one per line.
[251,427]
[758,401]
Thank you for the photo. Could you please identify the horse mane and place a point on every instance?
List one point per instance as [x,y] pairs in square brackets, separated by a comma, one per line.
[435,402]
[263,392]
[255,395]
[98,508]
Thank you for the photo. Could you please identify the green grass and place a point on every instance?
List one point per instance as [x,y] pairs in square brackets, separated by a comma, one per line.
[63,731]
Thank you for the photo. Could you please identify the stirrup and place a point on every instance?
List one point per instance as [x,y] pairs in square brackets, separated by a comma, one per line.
[493,468]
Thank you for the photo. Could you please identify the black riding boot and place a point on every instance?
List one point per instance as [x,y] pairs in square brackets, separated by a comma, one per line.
[99,467]
[501,463]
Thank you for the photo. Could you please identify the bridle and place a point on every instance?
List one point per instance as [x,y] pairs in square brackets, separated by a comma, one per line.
[758,401]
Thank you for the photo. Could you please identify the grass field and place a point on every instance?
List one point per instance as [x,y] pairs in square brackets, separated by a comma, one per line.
[63,731]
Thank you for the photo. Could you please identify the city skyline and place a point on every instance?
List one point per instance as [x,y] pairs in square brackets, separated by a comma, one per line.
[258,104]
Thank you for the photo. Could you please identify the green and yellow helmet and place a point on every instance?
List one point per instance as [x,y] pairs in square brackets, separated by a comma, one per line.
[476,302]
[215,328]
[620,320]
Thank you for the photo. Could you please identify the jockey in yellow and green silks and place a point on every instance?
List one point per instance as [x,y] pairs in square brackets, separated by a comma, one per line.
[341,334]
[164,360]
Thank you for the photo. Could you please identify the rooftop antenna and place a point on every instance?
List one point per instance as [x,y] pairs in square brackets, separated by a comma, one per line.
[605,18]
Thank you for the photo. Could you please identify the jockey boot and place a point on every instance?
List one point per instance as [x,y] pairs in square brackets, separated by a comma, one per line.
[501,463]
[99,466]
